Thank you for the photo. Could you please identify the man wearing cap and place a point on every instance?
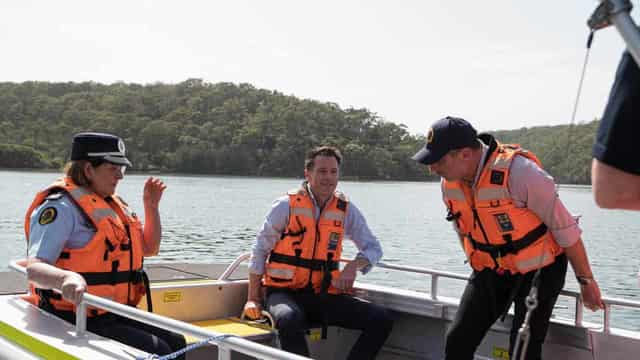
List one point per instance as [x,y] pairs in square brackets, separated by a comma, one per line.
[81,237]
[511,224]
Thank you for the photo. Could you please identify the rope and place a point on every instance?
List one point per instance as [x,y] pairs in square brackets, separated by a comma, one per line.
[524,333]
[174,355]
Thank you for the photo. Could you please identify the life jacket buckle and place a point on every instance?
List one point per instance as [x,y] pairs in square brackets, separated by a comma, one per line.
[453,217]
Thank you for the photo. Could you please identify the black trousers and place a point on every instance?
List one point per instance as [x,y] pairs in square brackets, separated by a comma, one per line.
[139,335]
[295,312]
[488,295]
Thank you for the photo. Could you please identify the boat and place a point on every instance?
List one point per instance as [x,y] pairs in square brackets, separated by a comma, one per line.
[205,301]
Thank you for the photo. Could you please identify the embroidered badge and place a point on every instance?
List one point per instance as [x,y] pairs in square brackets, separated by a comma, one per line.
[47,216]
[497,177]
[504,222]
[430,136]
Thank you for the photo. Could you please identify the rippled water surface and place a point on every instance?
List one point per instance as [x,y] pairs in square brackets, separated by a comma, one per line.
[214,219]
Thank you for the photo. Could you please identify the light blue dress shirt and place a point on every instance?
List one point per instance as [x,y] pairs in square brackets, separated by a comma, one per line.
[68,229]
[355,227]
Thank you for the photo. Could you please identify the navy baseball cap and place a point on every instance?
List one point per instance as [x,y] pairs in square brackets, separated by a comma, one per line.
[446,134]
[94,146]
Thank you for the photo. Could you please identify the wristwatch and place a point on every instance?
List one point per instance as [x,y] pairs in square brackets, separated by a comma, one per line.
[584,280]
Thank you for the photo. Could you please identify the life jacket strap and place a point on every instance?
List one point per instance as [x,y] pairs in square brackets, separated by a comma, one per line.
[113,278]
[312,264]
[513,246]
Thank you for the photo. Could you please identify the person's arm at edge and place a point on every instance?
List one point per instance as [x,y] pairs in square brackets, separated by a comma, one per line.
[614,188]
[534,186]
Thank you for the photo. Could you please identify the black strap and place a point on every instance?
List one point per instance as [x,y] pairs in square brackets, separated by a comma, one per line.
[112,278]
[514,246]
[295,233]
[324,291]
[312,264]
[147,289]
[45,295]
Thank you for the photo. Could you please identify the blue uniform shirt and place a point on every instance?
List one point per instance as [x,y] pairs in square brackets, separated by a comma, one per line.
[68,228]
[355,228]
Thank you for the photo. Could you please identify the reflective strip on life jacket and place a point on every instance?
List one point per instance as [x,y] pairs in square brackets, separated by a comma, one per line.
[534,262]
[487,194]
[454,194]
[302,212]
[334,215]
[280,273]
[501,164]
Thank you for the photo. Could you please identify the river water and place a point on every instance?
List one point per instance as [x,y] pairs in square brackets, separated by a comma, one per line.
[214,219]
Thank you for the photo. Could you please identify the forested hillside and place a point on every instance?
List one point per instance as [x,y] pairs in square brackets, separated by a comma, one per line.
[224,128]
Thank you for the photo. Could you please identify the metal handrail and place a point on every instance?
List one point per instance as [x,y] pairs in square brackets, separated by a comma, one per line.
[225,345]
[233,266]
[436,274]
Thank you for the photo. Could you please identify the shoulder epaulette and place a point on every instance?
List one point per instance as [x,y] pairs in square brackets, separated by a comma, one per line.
[54,196]
[341,196]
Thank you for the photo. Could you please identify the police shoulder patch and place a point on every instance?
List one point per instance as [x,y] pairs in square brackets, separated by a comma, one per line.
[47,216]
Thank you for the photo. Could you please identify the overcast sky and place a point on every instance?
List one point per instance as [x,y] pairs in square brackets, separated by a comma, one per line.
[502,64]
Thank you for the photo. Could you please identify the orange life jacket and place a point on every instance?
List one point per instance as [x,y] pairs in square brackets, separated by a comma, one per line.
[497,234]
[111,262]
[308,253]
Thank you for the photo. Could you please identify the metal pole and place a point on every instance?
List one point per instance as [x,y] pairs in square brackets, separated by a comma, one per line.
[621,19]
[224,353]
[81,318]
[434,287]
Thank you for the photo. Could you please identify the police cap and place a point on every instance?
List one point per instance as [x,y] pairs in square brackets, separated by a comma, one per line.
[94,146]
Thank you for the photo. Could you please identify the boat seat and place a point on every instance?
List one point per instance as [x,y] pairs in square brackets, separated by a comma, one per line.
[250,330]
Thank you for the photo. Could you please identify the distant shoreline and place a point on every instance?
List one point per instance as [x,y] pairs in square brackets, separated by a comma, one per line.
[342,178]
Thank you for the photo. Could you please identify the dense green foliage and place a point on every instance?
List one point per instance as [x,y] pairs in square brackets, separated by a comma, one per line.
[223,128]
[565,150]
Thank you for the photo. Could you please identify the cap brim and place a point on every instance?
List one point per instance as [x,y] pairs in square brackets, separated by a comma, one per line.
[426,156]
[118,160]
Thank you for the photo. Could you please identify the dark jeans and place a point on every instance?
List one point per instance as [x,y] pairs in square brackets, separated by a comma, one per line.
[488,295]
[131,332]
[294,312]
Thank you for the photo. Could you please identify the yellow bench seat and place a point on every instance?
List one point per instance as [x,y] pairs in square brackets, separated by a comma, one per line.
[234,326]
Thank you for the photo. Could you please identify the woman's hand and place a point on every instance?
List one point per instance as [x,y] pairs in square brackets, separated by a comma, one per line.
[153,189]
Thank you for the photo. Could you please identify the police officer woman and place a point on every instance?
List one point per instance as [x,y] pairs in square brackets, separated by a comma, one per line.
[82,237]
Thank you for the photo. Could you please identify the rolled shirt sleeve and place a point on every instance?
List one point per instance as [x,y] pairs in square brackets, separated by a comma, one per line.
[358,231]
[533,188]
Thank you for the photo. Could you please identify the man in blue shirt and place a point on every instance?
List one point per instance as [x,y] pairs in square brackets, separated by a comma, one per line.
[297,305]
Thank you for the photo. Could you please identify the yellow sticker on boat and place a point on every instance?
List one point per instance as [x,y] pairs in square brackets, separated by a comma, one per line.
[172,296]
[499,353]
[315,334]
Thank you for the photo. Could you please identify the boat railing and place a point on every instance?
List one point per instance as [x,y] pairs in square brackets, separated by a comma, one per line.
[609,302]
[225,344]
